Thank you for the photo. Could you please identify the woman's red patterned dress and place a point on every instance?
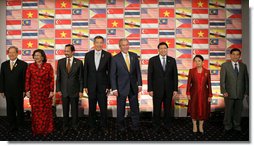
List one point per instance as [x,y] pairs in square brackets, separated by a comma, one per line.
[40,82]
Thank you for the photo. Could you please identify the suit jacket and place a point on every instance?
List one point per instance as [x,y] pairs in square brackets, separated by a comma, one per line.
[70,84]
[123,80]
[235,86]
[97,78]
[12,82]
[193,83]
[160,80]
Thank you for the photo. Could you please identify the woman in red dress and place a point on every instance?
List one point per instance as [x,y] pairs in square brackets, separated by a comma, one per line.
[199,93]
[40,90]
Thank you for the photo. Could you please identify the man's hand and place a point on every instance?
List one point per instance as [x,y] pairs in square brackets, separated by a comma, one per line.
[151,93]
[175,95]
[139,88]
[209,99]
[188,96]
[59,93]
[80,94]
[225,94]
[51,94]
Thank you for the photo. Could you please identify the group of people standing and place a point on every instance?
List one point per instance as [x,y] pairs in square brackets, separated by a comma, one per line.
[121,75]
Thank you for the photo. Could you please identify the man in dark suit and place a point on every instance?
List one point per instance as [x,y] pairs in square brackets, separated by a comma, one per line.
[12,85]
[162,84]
[96,81]
[234,83]
[125,76]
[69,84]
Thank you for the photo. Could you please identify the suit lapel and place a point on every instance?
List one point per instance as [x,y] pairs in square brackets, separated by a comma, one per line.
[73,65]
[167,64]
[65,67]
[240,69]
[102,57]
[93,60]
[231,68]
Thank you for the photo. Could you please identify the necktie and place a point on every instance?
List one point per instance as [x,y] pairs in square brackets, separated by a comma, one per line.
[164,63]
[97,60]
[127,61]
[68,67]
[236,69]
[12,64]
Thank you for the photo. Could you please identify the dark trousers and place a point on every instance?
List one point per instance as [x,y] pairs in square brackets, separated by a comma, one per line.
[15,111]
[134,107]
[233,111]
[101,98]
[67,101]
[157,102]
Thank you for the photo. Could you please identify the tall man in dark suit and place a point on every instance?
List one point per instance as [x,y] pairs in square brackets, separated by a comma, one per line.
[234,83]
[125,76]
[96,81]
[162,84]
[70,85]
[12,85]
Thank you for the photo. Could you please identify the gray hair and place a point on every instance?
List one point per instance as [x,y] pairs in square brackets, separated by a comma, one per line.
[121,40]
[16,48]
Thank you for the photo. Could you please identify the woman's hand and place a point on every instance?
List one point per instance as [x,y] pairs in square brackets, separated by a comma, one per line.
[51,94]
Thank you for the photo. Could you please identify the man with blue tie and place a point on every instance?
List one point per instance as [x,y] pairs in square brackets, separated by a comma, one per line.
[234,83]
[125,77]
[162,85]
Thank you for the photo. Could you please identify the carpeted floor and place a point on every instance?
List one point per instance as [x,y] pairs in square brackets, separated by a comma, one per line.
[180,131]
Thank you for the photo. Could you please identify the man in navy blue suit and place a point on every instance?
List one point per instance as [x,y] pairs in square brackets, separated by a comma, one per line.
[126,81]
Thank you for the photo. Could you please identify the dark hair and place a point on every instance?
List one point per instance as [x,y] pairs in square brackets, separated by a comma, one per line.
[14,47]
[198,56]
[72,47]
[98,37]
[42,54]
[235,49]
[162,43]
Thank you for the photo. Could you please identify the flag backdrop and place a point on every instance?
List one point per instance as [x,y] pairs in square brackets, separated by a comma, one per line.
[189,27]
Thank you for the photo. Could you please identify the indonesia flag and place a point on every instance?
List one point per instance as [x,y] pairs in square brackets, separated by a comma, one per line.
[200,13]
[13,24]
[60,43]
[63,14]
[200,43]
[234,33]
[149,23]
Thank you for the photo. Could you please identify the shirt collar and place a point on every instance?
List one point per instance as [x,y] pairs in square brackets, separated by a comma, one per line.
[14,61]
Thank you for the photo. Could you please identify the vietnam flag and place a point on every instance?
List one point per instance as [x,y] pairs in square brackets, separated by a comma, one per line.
[63,33]
[115,23]
[200,3]
[168,13]
[28,14]
[29,43]
[200,33]
[63,3]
